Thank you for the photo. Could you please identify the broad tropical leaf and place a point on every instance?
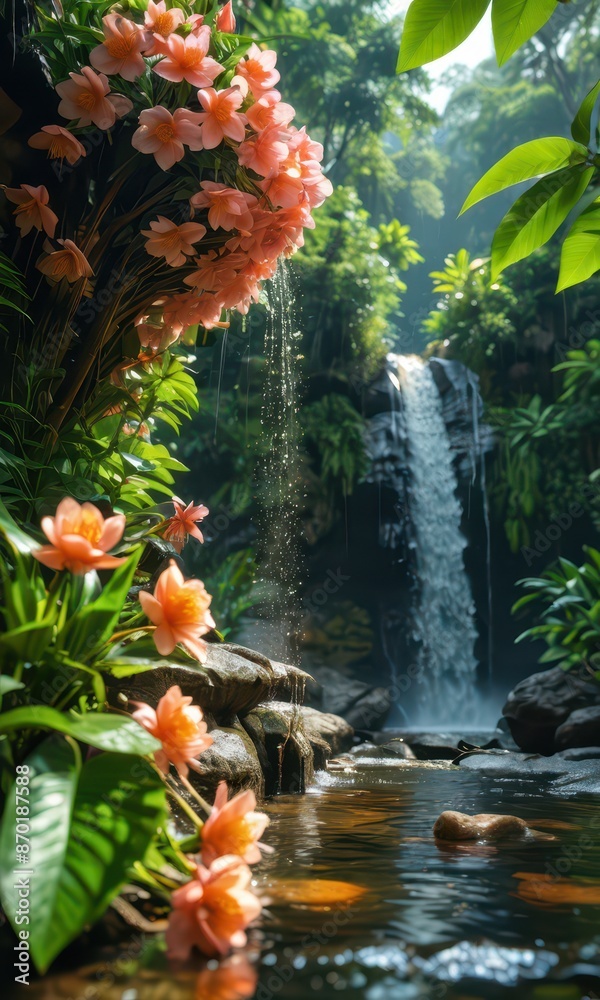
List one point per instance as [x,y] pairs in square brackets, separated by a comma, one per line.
[531,159]
[88,827]
[580,256]
[434,27]
[91,626]
[581,126]
[103,730]
[515,21]
[536,216]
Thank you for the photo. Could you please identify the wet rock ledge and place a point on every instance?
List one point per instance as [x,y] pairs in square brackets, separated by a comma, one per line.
[264,738]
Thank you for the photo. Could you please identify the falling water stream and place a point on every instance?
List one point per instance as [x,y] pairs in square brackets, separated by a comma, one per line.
[443,624]
[278,527]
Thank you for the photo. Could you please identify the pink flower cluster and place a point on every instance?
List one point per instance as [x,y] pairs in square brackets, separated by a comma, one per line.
[277,167]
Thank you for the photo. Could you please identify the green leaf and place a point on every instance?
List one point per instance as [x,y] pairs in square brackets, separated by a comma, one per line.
[53,773]
[8,684]
[540,156]
[581,126]
[103,730]
[90,627]
[434,27]
[83,839]
[515,21]
[536,216]
[22,542]
[580,256]
[29,642]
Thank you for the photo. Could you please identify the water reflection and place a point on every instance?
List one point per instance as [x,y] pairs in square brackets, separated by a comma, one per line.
[363,903]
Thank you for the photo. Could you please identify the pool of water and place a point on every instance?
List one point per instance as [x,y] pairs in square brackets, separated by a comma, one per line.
[406,917]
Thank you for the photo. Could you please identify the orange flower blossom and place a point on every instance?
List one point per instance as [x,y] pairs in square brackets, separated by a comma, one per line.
[60,143]
[212,911]
[234,827]
[167,239]
[184,523]
[32,210]
[80,538]
[179,609]
[179,726]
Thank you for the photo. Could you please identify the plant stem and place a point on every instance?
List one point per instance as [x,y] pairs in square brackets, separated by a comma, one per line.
[194,793]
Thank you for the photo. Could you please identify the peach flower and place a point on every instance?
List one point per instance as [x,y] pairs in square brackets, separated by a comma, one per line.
[69,263]
[80,538]
[228,208]
[167,239]
[256,72]
[190,309]
[220,118]
[212,911]
[156,339]
[87,98]
[179,726]
[164,134]
[187,59]
[265,152]
[225,20]
[60,143]
[179,609]
[234,827]
[233,979]
[32,210]
[121,51]
[269,110]
[160,23]
[184,523]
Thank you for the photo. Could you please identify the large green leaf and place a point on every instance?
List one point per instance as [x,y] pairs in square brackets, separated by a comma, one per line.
[515,21]
[434,27]
[103,730]
[53,774]
[536,216]
[540,156]
[580,256]
[93,624]
[581,126]
[84,836]
[22,542]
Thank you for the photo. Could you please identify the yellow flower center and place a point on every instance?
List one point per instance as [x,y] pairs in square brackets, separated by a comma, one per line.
[58,148]
[119,47]
[86,100]
[163,24]
[164,132]
[87,524]
[222,113]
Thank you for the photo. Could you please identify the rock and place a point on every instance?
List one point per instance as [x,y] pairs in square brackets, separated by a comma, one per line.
[335,731]
[383,751]
[362,705]
[434,746]
[232,758]
[581,729]
[230,684]
[289,754]
[566,778]
[484,826]
[541,703]
[579,753]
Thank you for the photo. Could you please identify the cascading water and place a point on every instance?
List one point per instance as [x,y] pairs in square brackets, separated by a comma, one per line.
[278,527]
[443,622]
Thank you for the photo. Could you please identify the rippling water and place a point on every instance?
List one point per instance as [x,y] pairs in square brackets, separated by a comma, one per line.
[427,922]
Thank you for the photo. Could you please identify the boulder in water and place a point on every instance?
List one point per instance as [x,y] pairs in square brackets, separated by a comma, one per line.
[538,705]
[581,729]
[456,826]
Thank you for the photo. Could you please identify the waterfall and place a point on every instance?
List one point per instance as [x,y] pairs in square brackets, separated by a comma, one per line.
[278,527]
[443,625]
